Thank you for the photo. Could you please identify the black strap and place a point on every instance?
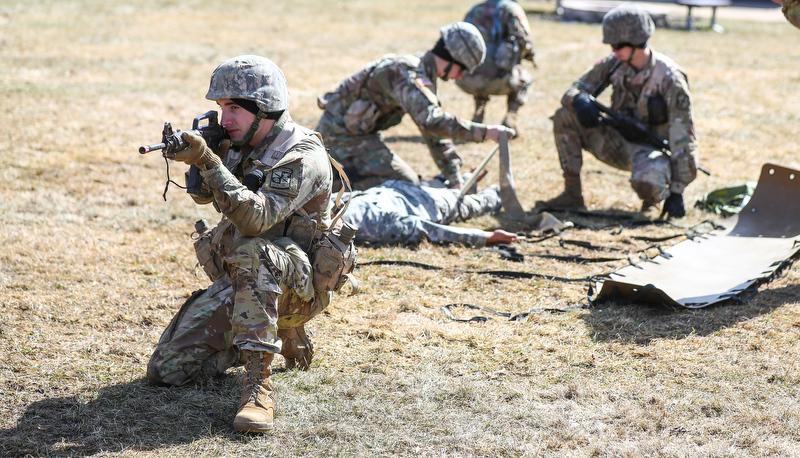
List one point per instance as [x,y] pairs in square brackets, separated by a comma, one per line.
[496,273]
[511,317]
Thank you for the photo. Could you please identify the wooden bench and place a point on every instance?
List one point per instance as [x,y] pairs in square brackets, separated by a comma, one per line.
[713,4]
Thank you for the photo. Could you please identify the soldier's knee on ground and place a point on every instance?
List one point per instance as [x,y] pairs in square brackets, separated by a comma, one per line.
[161,373]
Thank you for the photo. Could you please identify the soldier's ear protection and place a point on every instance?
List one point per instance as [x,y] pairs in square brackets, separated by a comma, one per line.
[254,180]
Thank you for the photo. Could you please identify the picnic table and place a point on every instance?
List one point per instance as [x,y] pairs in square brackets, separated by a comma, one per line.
[713,4]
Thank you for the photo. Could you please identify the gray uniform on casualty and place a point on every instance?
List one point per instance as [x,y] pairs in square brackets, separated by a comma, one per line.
[647,86]
[258,255]
[377,97]
[404,213]
[507,33]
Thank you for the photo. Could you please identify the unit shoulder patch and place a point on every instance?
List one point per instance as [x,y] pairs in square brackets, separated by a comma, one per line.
[281,178]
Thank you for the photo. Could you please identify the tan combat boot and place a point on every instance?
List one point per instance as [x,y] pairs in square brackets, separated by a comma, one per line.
[570,199]
[256,409]
[480,108]
[297,349]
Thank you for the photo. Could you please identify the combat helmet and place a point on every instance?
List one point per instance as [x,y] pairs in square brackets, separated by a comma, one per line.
[252,78]
[628,23]
[465,44]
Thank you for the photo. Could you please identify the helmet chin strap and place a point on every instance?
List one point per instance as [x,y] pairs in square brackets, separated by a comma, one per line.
[253,128]
[633,51]
[447,69]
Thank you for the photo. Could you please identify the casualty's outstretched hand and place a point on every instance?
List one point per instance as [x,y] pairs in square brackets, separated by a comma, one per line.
[500,236]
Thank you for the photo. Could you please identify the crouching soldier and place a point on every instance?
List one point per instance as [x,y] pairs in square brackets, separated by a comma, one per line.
[260,255]
[647,86]
[378,96]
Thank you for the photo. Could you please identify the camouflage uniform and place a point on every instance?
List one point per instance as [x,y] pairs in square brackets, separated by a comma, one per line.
[653,174]
[489,79]
[375,99]
[262,278]
[791,9]
[402,213]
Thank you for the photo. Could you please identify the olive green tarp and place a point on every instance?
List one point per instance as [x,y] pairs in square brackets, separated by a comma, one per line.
[723,264]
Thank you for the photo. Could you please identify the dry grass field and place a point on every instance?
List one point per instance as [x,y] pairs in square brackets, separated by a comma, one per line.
[93,263]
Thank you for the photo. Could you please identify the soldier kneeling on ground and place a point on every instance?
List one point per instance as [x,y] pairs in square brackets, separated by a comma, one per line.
[647,86]
[261,256]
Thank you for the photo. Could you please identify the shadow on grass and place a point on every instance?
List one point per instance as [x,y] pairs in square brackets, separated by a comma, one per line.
[126,416]
[641,323]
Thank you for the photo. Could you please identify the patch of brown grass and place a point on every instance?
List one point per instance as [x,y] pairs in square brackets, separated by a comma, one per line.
[93,263]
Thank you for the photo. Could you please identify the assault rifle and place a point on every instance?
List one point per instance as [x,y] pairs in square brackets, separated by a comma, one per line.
[633,130]
[172,142]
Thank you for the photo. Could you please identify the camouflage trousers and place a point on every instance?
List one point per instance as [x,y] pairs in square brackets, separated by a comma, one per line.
[367,160]
[268,285]
[487,80]
[650,169]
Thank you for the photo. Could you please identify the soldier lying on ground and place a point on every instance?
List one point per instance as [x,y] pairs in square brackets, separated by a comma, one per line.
[378,96]
[647,86]
[404,213]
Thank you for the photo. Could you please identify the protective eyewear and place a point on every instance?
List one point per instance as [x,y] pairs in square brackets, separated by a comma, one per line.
[618,46]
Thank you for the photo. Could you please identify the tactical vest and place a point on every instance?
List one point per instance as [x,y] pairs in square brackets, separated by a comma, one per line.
[653,87]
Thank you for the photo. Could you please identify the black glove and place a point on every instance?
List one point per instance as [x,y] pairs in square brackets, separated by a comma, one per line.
[673,207]
[588,114]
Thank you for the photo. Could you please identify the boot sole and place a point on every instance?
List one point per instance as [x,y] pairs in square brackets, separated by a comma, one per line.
[252,427]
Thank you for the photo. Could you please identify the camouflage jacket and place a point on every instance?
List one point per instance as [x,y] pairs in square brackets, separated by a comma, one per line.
[631,91]
[513,21]
[402,213]
[298,180]
[791,9]
[396,85]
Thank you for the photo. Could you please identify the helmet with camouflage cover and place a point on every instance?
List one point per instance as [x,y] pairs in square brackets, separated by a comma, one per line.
[627,23]
[465,44]
[252,78]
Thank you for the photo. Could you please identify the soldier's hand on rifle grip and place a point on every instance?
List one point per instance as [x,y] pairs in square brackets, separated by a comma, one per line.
[673,207]
[197,153]
[588,114]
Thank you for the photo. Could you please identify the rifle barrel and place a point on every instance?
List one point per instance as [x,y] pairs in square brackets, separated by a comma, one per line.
[150,148]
